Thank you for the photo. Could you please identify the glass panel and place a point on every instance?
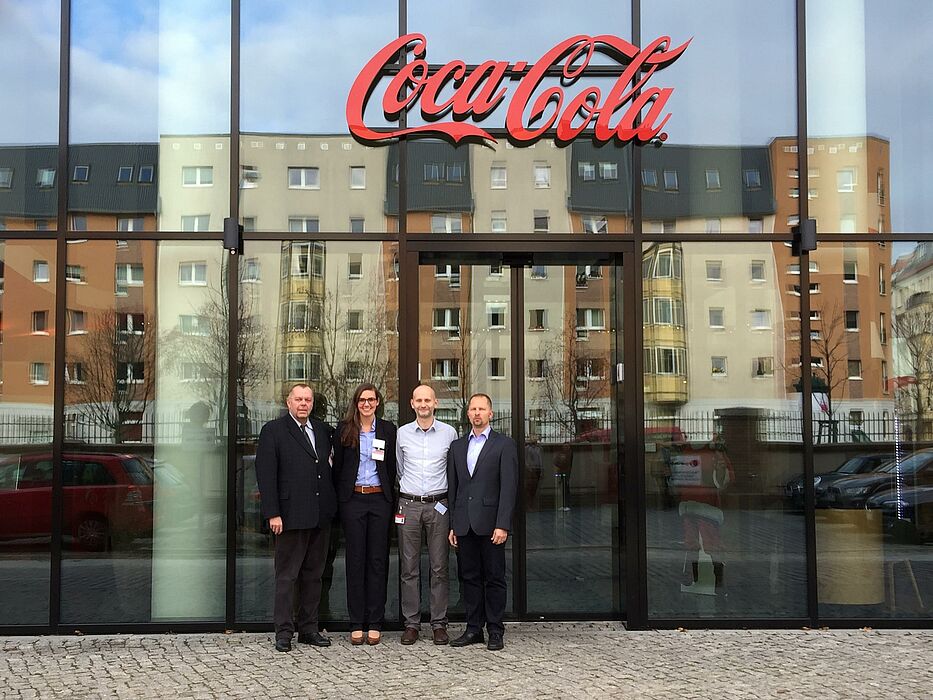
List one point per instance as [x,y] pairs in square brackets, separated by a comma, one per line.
[872,429]
[572,465]
[29,35]
[714,173]
[466,31]
[145,416]
[870,125]
[27,354]
[464,330]
[722,432]
[324,314]
[149,125]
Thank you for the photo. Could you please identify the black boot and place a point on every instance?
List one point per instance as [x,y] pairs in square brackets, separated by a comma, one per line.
[718,573]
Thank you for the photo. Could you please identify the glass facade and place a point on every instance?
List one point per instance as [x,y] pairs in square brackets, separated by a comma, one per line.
[715,421]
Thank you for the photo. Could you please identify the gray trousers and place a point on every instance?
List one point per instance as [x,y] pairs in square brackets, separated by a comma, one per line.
[423,517]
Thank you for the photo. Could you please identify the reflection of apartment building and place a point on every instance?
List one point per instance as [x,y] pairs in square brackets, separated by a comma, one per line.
[850,303]
[29,180]
[911,332]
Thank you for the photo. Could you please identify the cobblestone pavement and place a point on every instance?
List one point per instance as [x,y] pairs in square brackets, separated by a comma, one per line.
[539,661]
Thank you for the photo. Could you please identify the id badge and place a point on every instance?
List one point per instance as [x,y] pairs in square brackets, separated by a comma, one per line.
[400,517]
[440,507]
[379,450]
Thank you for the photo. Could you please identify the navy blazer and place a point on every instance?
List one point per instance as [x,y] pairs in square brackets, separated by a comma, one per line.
[347,463]
[486,500]
[294,483]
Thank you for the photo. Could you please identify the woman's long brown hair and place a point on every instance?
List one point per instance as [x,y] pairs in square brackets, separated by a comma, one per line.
[350,432]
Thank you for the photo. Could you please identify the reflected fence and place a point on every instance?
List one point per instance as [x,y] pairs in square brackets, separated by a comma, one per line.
[772,426]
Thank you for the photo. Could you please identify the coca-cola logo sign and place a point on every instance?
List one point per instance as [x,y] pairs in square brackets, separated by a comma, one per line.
[453,98]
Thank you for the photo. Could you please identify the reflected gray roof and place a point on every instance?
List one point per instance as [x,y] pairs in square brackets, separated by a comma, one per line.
[100,194]
[442,195]
[692,198]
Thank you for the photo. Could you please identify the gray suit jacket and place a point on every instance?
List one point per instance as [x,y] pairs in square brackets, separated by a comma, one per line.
[486,500]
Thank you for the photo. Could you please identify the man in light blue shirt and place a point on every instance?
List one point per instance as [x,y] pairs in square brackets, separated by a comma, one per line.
[421,452]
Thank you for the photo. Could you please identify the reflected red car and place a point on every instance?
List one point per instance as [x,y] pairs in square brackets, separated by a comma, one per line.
[104,495]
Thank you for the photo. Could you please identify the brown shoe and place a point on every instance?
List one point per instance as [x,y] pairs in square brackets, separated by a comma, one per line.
[440,636]
[373,637]
[409,636]
[356,638]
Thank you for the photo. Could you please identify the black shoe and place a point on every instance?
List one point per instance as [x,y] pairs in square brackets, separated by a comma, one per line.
[467,638]
[314,639]
[283,644]
[495,641]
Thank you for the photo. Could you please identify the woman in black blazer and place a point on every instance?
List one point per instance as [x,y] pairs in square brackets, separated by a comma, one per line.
[364,478]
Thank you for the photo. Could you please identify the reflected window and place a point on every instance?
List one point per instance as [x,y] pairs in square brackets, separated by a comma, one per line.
[849,272]
[586,171]
[194,325]
[845,180]
[40,322]
[45,177]
[78,222]
[40,271]
[81,173]
[882,329]
[357,177]
[303,224]
[717,317]
[590,319]
[74,273]
[77,324]
[714,270]
[357,225]
[455,173]
[128,275]
[249,177]
[304,179]
[608,171]
[718,366]
[125,174]
[541,221]
[6,178]
[595,224]
[355,321]
[495,315]
[671,183]
[130,372]
[446,369]
[146,174]
[498,176]
[761,319]
[497,368]
[542,174]
[192,273]
[713,226]
[763,367]
[537,319]
[446,223]
[448,320]
[752,177]
[133,223]
[432,172]
[39,373]
[851,320]
[712,179]
[537,369]
[196,176]
[758,271]
[670,360]
[75,373]
[296,366]
[855,369]
[355,266]
[196,222]
[539,272]
[756,225]
[499,222]
[649,179]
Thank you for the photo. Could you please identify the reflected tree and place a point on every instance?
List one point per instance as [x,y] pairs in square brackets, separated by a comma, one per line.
[913,330]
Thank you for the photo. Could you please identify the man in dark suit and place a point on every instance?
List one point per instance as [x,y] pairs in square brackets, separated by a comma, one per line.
[482,485]
[298,499]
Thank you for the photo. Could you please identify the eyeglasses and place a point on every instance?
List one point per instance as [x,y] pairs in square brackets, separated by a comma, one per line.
[372,400]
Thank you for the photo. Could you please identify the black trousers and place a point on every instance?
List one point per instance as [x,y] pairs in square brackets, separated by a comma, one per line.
[366,519]
[481,565]
[299,561]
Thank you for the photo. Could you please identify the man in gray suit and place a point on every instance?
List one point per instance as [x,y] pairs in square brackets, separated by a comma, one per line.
[297,497]
[482,485]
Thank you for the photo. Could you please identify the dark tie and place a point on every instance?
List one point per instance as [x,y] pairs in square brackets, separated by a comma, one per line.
[304,431]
